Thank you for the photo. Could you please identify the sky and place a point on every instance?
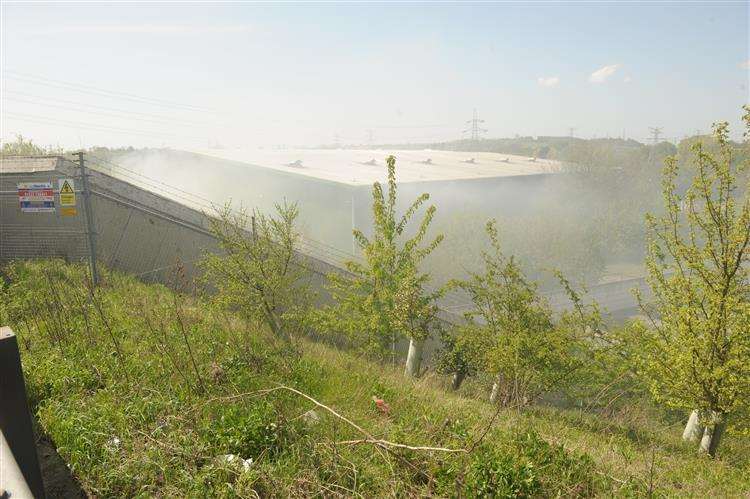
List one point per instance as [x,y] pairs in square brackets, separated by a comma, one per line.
[197,75]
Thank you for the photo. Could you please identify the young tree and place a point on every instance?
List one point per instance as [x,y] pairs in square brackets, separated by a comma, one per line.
[385,299]
[511,333]
[260,273]
[697,354]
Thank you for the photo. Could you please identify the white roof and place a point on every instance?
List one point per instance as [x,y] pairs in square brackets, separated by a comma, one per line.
[363,167]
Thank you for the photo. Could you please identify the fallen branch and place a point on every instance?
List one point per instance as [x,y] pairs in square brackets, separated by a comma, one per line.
[369,438]
[400,446]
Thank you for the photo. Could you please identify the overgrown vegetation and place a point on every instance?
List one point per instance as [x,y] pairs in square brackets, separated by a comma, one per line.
[155,432]
[259,274]
[512,335]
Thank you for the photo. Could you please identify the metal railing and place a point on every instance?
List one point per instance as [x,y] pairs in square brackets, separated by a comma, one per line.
[20,475]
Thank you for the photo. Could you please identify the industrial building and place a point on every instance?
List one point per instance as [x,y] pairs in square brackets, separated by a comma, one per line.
[151,209]
[333,187]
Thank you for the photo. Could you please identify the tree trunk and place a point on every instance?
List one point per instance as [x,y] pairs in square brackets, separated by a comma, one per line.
[458,378]
[414,358]
[271,321]
[693,429]
[713,433]
[495,390]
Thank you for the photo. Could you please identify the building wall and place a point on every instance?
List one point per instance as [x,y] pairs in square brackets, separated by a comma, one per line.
[328,210]
[137,231]
[325,216]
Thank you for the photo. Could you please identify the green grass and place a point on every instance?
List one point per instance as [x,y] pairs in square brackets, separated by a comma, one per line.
[138,424]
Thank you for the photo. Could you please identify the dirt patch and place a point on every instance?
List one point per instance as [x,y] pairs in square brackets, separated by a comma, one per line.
[59,482]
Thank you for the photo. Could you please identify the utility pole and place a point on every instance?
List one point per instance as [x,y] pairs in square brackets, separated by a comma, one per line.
[89,220]
[571,132]
[655,133]
[474,127]
[370,135]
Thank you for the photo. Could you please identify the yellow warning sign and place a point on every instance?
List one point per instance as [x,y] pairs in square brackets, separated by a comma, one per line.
[67,192]
[68,211]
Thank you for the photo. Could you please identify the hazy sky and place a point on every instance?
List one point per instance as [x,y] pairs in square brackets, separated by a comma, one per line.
[246,74]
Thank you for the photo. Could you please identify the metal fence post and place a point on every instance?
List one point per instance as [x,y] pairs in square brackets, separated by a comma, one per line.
[89,220]
[15,420]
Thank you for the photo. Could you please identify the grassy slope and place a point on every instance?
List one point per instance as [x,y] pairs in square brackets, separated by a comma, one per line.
[138,424]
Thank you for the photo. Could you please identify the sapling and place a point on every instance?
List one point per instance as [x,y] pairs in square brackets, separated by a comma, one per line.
[511,334]
[385,298]
[260,271]
[696,356]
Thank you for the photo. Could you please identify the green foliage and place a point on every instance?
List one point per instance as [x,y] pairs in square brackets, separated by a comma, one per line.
[260,274]
[511,333]
[247,433]
[152,434]
[697,354]
[452,358]
[496,474]
[520,468]
[26,147]
[385,298]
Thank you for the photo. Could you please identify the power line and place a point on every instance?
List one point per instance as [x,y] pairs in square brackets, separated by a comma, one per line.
[151,183]
[100,113]
[92,126]
[474,128]
[93,106]
[77,87]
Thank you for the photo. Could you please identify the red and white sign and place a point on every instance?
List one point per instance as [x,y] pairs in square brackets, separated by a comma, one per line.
[36,197]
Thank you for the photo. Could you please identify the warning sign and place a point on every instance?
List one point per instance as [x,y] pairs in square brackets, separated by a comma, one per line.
[67,192]
[68,211]
[36,197]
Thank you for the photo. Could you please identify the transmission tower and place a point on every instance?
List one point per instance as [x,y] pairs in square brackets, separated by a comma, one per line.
[474,127]
[655,133]
[571,132]
[370,135]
